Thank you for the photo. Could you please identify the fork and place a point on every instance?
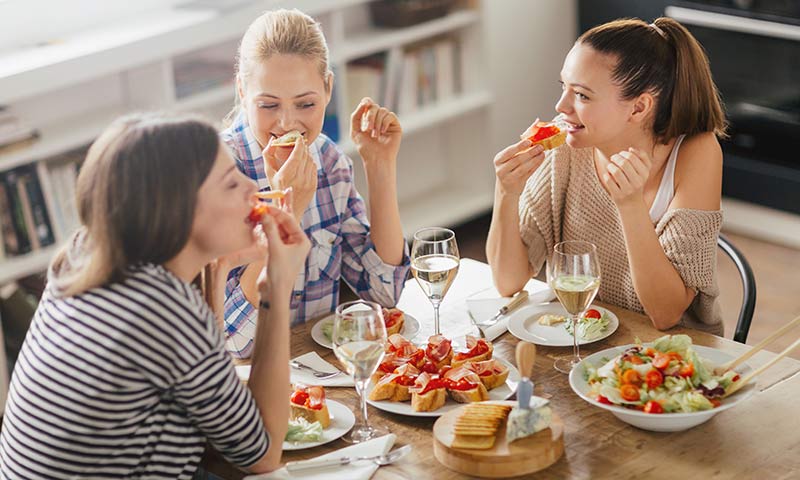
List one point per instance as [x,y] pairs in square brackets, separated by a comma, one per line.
[320,375]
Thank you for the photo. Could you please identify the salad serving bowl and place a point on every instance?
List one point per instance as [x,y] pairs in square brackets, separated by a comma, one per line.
[661,422]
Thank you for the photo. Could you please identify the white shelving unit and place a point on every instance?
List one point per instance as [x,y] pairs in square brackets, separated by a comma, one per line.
[71,91]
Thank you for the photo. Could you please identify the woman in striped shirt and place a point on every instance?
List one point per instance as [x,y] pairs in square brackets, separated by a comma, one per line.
[124,373]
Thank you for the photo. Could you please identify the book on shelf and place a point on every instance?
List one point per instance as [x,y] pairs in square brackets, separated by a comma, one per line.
[8,236]
[42,229]
[14,133]
[428,73]
[19,226]
[365,78]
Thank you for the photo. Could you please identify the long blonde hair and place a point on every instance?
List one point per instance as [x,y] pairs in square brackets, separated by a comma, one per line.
[280,32]
[136,196]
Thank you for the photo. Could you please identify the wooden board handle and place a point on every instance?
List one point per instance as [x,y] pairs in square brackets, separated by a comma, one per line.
[526,358]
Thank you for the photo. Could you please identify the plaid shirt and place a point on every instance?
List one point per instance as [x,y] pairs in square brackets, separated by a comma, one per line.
[337,225]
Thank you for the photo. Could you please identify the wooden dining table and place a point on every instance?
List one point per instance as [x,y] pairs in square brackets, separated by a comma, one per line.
[760,438]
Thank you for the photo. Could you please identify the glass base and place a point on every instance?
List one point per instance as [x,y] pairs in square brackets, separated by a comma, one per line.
[362,433]
[566,363]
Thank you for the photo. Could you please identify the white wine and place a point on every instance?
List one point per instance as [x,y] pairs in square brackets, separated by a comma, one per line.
[576,292]
[435,274]
[360,358]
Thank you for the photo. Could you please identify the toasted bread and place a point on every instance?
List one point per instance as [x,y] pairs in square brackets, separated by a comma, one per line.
[556,139]
[477,394]
[322,415]
[477,358]
[398,325]
[287,139]
[491,372]
[428,401]
[271,195]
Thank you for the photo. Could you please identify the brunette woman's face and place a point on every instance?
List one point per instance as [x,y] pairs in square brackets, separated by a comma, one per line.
[590,101]
[285,93]
[223,204]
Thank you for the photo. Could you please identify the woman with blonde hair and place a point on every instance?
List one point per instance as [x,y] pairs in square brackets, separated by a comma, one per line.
[124,372]
[284,84]
[640,175]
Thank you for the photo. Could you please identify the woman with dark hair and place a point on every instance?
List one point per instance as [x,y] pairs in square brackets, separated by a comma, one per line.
[640,175]
[124,373]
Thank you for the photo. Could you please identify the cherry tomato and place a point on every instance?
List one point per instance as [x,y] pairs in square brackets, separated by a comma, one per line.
[636,360]
[650,352]
[654,378]
[653,407]
[661,361]
[632,377]
[629,392]
[687,370]
[592,313]
[258,211]
[299,397]
[603,400]
[715,402]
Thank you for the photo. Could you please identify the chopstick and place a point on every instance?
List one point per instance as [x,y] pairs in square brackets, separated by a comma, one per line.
[758,347]
[737,385]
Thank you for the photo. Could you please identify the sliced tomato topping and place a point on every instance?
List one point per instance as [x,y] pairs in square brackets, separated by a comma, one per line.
[257,212]
[404,380]
[391,316]
[429,367]
[481,347]
[461,385]
[542,130]
[687,370]
[299,398]
[433,385]
[653,407]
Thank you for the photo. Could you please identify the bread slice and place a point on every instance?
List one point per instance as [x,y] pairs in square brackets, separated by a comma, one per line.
[398,325]
[552,142]
[322,415]
[477,394]
[428,401]
[287,139]
[478,358]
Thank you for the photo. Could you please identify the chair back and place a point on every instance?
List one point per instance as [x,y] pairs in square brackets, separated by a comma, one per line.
[748,288]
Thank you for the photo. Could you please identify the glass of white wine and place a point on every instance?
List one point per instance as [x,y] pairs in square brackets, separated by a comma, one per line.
[359,337]
[434,263]
[573,273]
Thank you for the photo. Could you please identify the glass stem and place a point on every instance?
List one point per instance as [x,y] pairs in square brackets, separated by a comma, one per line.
[575,349]
[361,386]
[436,318]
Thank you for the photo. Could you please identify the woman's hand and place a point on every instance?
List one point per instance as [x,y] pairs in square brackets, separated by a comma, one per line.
[376,133]
[626,175]
[288,249]
[296,171]
[515,164]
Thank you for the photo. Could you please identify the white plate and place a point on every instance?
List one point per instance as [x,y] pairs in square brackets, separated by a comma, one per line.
[409,330]
[404,408]
[524,324]
[342,420]
[664,422]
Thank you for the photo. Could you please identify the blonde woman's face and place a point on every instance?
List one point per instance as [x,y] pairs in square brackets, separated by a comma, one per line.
[590,101]
[223,205]
[285,93]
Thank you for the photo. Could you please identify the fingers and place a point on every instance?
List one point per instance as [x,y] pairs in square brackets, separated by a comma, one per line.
[623,163]
[287,204]
[619,177]
[271,160]
[297,159]
[359,120]
[284,227]
[518,148]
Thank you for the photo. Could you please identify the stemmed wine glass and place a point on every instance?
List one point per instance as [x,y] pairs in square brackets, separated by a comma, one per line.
[434,263]
[573,273]
[359,337]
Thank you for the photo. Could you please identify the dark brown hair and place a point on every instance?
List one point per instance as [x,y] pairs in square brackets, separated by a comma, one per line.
[136,197]
[665,60]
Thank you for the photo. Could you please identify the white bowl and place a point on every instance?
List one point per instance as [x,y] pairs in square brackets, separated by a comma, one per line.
[662,422]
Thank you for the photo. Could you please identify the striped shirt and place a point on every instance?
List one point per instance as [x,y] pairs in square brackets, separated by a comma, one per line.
[128,380]
[336,223]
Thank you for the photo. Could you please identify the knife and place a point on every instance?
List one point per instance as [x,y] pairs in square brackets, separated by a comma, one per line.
[518,299]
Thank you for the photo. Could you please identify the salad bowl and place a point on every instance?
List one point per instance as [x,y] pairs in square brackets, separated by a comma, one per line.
[658,422]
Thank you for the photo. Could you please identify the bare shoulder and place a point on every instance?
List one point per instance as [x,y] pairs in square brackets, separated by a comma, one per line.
[698,173]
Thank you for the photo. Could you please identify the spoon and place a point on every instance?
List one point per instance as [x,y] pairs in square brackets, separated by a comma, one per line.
[380,460]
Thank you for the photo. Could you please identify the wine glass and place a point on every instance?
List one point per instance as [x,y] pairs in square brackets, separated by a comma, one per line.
[574,274]
[359,337]
[434,263]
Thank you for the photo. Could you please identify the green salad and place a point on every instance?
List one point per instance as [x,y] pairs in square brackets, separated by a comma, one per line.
[591,325]
[663,377]
[301,430]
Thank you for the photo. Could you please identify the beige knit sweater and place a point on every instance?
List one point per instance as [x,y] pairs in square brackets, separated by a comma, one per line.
[564,200]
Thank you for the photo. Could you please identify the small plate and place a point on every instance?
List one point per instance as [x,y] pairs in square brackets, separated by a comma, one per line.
[410,329]
[342,420]
[404,408]
[524,324]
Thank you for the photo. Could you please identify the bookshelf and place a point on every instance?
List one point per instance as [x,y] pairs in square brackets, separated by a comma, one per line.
[71,90]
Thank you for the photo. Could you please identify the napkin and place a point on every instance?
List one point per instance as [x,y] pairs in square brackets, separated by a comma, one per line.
[313,360]
[353,471]
[485,304]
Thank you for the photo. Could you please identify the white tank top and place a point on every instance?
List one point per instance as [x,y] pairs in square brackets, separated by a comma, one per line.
[666,190]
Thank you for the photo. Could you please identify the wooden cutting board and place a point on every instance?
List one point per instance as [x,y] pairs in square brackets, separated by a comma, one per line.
[521,457]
